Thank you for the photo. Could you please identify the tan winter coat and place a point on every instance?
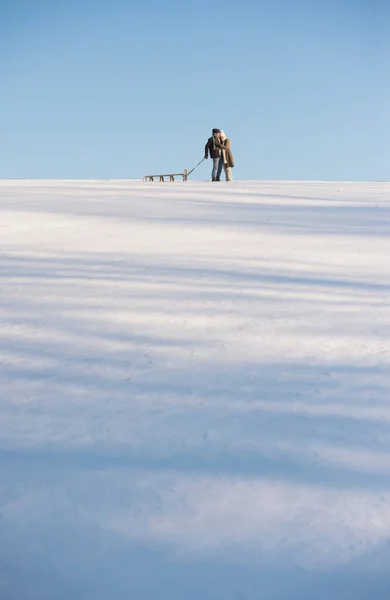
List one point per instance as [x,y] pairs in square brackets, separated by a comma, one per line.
[225,146]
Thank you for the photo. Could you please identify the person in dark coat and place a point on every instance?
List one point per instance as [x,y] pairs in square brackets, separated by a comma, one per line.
[215,155]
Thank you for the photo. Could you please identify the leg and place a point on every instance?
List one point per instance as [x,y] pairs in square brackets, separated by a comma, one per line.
[219,170]
[228,173]
[215,169]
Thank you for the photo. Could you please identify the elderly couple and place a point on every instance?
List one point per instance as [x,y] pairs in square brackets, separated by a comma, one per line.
[219,148]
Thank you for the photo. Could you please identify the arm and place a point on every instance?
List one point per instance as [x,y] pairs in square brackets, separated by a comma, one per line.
[224,146]
[206,149]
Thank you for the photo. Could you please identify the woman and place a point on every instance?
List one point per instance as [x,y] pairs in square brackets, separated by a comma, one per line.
[223,142]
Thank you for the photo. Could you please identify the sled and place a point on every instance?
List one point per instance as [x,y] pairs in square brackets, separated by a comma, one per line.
[171,176]
[167,177]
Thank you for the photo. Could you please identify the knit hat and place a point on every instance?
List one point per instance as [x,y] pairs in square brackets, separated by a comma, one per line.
[223,135]
[216,131]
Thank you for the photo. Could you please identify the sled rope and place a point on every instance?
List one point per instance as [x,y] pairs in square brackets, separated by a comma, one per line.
[189,172]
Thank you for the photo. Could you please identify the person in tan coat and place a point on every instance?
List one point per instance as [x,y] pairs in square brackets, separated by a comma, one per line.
[223,142]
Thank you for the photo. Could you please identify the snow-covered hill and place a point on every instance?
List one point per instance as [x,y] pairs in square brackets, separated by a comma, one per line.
[195,391]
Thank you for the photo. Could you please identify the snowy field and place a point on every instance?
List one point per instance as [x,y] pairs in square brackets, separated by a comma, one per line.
[195,391]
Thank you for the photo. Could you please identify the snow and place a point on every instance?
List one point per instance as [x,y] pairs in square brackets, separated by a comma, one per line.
[194,390]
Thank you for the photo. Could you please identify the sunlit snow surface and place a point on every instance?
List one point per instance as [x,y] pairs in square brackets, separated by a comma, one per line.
[195,391]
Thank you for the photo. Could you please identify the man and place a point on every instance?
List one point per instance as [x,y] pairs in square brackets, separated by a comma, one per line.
[215,155]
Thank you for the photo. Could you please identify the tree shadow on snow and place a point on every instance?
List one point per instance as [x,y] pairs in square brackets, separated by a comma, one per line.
[105,408]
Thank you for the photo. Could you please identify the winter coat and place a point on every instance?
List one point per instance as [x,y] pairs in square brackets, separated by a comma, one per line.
[210,147]
[225,146]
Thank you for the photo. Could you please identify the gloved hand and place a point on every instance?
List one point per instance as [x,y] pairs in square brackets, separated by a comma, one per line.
[206,157]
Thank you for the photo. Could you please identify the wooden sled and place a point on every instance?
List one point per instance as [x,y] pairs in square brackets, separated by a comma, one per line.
[168,177]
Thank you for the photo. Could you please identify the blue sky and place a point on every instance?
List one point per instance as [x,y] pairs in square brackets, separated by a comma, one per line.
[116,89]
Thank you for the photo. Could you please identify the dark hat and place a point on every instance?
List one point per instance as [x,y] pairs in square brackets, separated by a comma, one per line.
[216,131]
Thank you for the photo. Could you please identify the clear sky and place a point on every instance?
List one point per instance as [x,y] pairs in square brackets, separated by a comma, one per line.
[119,89]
